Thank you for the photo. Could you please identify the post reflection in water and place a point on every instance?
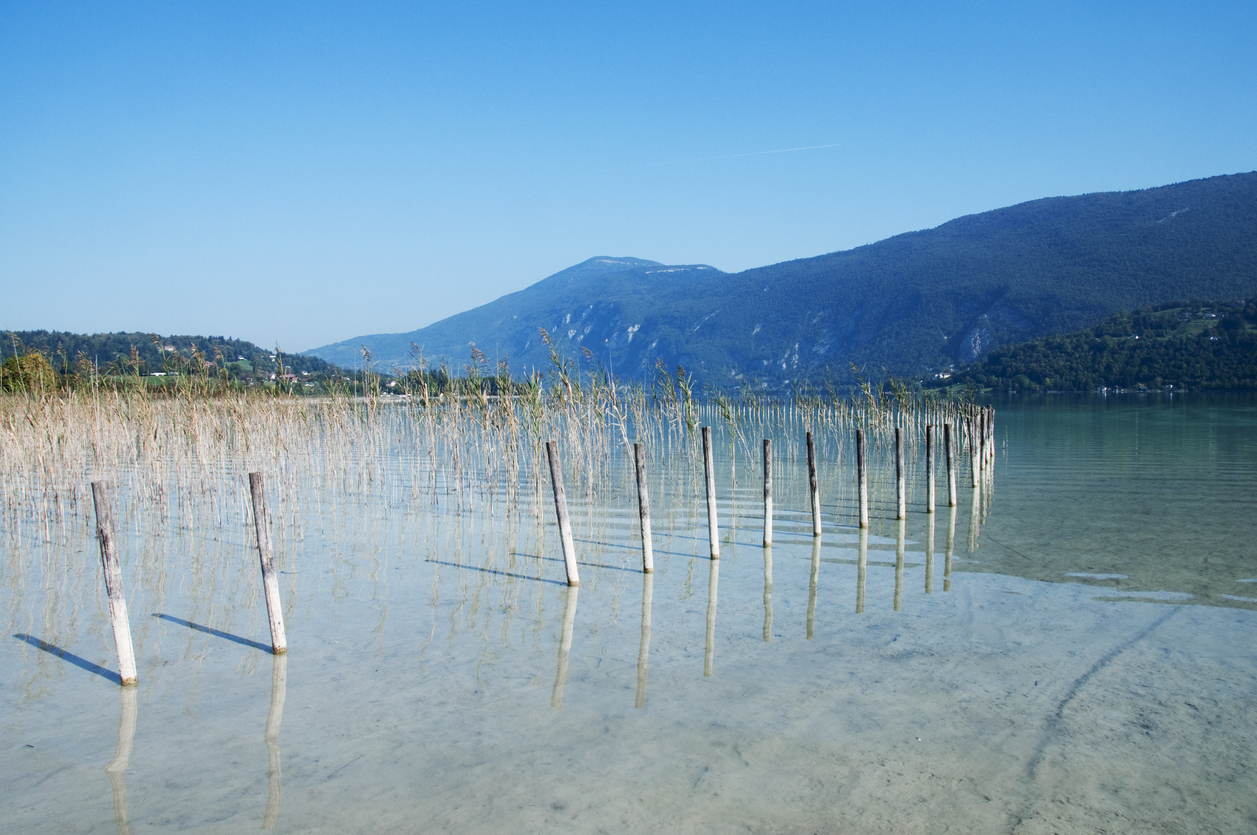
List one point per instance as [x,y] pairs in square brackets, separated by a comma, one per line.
[648,587]
[713,578]
[951,546]
[811,586]
[929,553]
[768,592]
[862,571]
[988,494]
[975,509]
[274,789]
[116,769]
[565,645]
[899,549]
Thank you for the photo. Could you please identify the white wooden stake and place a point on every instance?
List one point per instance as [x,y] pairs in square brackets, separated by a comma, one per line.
[975,452]
[811,485]
[113,586]
[270,579]
[949,453]
[643,508]
[862,476]
[709,467]
[901,484]
[768,493]
[929,469]
[560,508]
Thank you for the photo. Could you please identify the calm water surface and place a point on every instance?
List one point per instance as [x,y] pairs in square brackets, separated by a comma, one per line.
[1080,659]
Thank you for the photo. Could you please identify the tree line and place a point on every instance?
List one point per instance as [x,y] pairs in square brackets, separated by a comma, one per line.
[1184,345]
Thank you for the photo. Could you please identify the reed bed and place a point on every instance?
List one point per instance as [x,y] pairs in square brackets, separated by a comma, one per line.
[183,460]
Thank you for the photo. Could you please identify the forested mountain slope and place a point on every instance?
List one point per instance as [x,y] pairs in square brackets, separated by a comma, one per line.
[912,304]
[1185,346]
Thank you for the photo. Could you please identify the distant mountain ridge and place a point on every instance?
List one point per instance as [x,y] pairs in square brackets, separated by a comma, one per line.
[912,304]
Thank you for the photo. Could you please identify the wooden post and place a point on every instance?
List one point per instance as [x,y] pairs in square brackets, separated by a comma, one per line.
[990,436]
[560,509]
[950,454]
[270,580]
[768,493]
[113,586]
[975,454]
[929,469]
[862,476]
[901,484]
[709,467]
[811,485]
[982,444]
[643,508]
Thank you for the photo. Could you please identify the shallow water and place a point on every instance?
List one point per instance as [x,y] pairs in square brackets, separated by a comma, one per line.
[1083,658]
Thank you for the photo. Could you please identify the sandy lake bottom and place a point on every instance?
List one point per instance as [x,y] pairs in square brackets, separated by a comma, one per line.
[1089,666]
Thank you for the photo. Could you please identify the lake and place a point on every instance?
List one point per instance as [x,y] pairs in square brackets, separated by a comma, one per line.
[1082,658]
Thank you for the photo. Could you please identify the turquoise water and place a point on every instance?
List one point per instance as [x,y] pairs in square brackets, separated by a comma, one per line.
[1081,659]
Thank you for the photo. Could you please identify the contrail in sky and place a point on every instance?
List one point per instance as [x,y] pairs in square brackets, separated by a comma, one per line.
[735,156]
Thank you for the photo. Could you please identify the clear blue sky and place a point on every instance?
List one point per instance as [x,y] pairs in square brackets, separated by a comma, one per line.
[302,173]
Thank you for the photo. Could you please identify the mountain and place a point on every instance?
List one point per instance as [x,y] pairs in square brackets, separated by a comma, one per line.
[911,304]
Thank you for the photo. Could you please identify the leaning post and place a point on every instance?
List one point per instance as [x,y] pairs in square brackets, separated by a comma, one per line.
[560,509]
[113,586]
[643,508]
[709,466]
[270,580]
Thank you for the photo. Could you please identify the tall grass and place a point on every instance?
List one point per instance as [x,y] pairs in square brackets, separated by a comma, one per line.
[185,454]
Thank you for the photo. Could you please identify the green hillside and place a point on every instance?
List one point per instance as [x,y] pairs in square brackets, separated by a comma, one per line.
[148,355]
[913,304]
[1184,345]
